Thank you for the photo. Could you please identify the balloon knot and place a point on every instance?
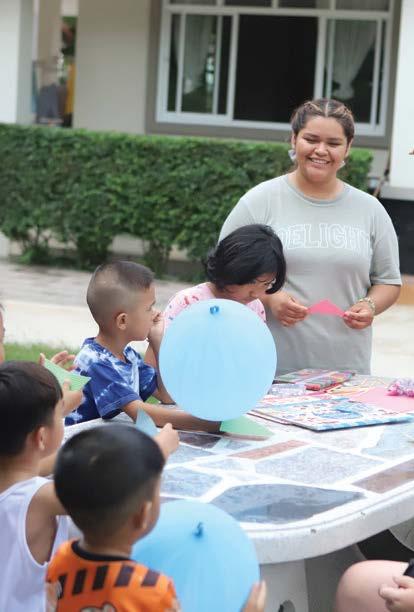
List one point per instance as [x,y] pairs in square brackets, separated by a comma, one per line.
[214,309]
[199,530]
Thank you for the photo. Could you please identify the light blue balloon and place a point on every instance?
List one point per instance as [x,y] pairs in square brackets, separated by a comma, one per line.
[217,359]
[206,553]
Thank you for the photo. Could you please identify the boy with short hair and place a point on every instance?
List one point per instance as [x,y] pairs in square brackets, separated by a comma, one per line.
[32,525]
[32,407]
[108,479]
[121,298]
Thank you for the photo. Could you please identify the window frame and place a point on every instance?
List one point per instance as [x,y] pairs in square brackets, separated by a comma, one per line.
[382,19]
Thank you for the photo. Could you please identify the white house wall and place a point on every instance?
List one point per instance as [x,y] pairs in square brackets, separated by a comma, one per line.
[16,22]
[111,60]
[48,33]
[70,8]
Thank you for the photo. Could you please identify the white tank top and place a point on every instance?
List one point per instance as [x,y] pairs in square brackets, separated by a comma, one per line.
[22,579]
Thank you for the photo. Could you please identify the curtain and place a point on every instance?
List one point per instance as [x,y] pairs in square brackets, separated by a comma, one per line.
[198,37]
[353,41]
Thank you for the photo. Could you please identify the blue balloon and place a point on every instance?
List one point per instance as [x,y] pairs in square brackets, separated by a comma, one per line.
[217,359]
[207,554]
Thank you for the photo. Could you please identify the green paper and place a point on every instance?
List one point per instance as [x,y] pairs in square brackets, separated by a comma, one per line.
[77,381]
[244,426]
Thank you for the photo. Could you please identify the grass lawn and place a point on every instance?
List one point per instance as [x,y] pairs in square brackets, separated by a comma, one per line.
[30,352]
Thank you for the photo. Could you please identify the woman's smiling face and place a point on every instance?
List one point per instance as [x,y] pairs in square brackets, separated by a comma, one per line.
[321,146]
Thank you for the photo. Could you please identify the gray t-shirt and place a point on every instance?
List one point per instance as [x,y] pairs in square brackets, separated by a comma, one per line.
[335,249]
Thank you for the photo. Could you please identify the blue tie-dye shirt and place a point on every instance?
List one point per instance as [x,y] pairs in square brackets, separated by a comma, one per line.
[114,383]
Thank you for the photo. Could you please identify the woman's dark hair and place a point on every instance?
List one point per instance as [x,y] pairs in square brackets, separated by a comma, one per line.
[324,107]
[244,255]
[28,396]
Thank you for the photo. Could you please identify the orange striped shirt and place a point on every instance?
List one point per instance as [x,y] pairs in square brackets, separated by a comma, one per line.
[81,582]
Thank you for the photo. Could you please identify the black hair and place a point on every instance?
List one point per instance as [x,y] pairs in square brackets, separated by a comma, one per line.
[113,286]
[103,474]
[244,255]
[28,396]
[324,107]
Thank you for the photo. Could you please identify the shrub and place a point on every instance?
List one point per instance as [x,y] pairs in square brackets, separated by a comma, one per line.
[84,188]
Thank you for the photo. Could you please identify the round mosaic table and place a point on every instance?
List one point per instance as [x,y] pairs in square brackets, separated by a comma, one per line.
[298,494]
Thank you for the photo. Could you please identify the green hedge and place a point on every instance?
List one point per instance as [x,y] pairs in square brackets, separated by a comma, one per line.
[87,187]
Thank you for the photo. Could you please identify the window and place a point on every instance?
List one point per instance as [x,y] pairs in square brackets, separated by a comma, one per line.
[249,63]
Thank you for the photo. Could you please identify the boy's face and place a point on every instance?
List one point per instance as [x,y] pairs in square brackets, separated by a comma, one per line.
[55,430]
[155,509]
[140,317]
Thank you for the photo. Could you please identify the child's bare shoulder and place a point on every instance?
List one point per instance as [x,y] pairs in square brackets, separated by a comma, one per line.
[41,523]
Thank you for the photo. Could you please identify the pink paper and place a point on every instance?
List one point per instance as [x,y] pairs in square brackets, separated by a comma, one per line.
[326,307]
[379,397]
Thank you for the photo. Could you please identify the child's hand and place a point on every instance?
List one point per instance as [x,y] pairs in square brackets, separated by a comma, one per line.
[257,598]
[167,440]
[61,359]
[71,399]
[401,597]
[157,330]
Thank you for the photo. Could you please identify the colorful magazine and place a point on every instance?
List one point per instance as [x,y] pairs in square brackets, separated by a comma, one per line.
[320,414]
[315,379]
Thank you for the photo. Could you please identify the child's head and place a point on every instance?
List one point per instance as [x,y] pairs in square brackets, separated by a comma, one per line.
[31,406]
[121,297]
[108,479]
[248,263]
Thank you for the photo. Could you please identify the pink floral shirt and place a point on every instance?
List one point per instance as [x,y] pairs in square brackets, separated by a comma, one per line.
[192,295]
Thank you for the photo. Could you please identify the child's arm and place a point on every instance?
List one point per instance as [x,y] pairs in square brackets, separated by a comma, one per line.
[401,597]
[71,400]
[41,522]
[257,598]
[149,358]
[178,418]
[154,338]
[167,440]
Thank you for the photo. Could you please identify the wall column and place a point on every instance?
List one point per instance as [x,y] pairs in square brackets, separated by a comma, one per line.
[16,26]
[111,65]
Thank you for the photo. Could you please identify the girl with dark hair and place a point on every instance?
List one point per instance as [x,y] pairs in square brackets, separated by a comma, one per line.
[339,244]
[245,266]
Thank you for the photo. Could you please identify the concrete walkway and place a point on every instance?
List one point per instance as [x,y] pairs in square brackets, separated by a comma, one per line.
[48,305]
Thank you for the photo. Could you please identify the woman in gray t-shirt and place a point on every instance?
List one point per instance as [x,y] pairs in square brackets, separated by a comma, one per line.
[339,244]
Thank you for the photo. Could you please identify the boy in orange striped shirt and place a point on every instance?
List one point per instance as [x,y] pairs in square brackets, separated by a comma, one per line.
[108,480]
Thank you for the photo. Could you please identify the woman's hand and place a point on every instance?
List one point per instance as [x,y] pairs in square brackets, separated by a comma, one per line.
[286,309]
[359,316]
[401,597]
